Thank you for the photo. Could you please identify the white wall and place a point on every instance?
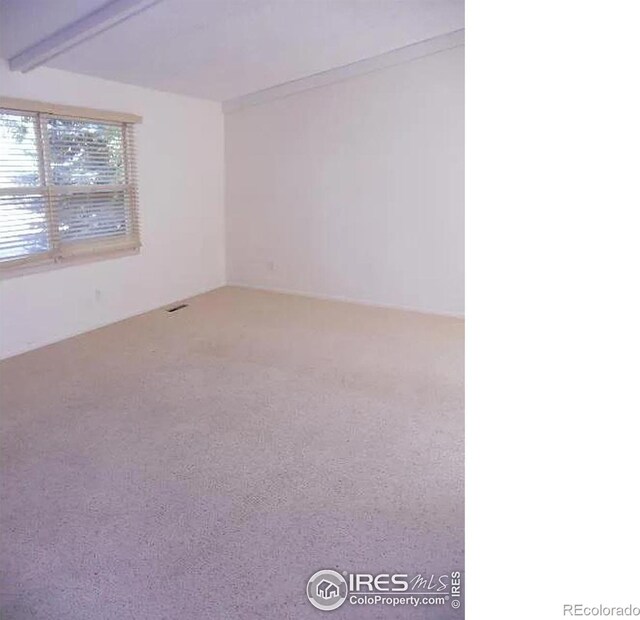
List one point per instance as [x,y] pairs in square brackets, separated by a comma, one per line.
[180,161]
[354,190]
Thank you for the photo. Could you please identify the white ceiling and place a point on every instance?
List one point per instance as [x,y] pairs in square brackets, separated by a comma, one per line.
[222,49]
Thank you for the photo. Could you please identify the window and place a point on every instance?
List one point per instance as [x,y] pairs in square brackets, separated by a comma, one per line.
[67,183]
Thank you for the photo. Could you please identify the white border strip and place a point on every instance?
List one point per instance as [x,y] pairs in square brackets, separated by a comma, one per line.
[368,65]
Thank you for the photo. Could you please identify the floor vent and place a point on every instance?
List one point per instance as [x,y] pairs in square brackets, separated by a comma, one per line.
[177,308]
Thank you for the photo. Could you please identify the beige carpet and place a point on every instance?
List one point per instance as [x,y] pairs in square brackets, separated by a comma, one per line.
[203,464]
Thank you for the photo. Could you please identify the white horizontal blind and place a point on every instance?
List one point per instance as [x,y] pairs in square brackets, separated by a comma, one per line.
[68,186]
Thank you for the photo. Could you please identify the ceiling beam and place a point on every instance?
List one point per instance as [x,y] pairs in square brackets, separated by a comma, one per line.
[337,74]
[85,28]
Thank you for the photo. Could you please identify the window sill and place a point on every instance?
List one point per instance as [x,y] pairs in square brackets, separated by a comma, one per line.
[18,271]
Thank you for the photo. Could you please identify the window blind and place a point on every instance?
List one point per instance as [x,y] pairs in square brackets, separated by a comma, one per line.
[68,187]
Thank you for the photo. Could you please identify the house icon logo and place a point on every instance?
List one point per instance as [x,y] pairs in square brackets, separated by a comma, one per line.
[327,590]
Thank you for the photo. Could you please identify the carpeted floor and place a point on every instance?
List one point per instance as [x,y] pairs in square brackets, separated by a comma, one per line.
[203,464]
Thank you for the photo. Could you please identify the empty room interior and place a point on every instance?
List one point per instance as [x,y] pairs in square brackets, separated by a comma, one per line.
[231,309]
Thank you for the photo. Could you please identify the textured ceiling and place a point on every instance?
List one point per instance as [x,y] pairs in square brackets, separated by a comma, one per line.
[221,49]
